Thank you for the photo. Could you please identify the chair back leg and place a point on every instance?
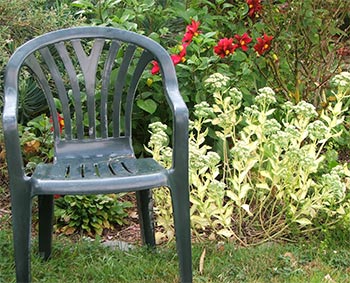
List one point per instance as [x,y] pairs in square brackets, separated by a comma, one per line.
[145,211]
[45,225]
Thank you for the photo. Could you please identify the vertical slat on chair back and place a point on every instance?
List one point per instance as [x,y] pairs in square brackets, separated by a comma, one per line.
[95,81]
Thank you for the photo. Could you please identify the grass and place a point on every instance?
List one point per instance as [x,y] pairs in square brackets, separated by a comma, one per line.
[86,261]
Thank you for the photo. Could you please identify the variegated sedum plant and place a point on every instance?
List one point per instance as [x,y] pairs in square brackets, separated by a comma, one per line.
[272,177]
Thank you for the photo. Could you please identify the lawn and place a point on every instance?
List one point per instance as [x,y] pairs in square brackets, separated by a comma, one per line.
[89,261]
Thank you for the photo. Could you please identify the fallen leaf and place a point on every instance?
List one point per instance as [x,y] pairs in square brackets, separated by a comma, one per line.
[31,146]
[328,278]
[220,246]
[68,230]
[212,237]
[134,214]
[292,258]
[160,237]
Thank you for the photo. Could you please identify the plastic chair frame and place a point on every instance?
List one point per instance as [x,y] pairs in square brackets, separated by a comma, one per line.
[120,170]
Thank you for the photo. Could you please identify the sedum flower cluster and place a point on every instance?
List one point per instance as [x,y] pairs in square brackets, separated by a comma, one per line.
[252,171]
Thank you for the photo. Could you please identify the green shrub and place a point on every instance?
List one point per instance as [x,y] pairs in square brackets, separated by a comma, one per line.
[21,20]
[305,51]
[270,179]
[259,170]
[37,142]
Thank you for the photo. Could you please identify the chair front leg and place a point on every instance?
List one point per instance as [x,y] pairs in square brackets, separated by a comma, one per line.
[181,213]
[21,207]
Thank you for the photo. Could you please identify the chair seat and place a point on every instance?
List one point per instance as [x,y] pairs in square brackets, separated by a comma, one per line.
[98,175]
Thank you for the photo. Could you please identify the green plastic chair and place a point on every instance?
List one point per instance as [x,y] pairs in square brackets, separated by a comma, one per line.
[94,73]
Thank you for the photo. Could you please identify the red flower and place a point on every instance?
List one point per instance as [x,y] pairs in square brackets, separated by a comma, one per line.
[183,49]
[56,196]
[177,58]
[180,58]
[225,47]
[242,41]
[60,122]
[264,43]
[254,7]
[191,31]
[155,69]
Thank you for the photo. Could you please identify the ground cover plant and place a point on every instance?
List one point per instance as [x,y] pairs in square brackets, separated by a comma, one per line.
[268,85]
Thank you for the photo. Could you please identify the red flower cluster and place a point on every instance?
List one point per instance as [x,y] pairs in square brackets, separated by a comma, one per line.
[254,7]
[227,46]
[191,31]
[264,43]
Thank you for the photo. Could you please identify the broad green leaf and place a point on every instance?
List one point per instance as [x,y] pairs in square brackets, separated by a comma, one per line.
[147,105]
[239,56]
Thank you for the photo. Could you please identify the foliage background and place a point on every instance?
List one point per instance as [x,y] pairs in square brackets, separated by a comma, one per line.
[309,49]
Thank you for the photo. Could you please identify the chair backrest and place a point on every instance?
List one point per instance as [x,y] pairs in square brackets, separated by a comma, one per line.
[89,76]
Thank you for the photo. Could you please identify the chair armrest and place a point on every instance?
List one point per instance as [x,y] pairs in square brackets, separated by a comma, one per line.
[180,115]
[180,132]
[12,141]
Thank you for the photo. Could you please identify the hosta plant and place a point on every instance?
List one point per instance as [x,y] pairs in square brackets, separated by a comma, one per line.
[89,214]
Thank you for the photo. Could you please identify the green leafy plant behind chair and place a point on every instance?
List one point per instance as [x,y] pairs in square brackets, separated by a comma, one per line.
[89,76]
